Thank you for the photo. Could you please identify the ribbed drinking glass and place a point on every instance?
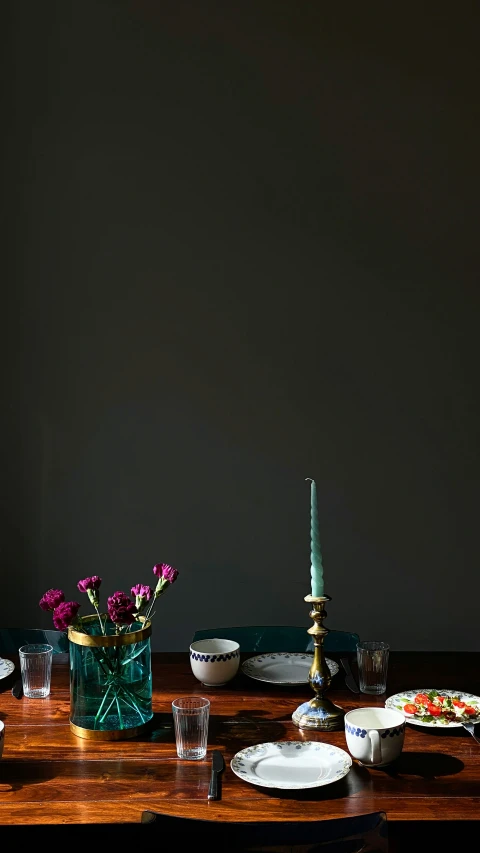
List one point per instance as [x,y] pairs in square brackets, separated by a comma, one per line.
[190,717]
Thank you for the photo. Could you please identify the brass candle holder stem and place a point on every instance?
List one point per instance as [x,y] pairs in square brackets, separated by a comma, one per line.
[319,713]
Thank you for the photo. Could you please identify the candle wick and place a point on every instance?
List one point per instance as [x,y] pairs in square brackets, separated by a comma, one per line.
[308,478]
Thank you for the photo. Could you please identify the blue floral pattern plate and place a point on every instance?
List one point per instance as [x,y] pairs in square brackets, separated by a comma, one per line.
[283,667]
[398,701]
[6,667]
[291,765]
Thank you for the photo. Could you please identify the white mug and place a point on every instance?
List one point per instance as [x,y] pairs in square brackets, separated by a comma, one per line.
[375,736]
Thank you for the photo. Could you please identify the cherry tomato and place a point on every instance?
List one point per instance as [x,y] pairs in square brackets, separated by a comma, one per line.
[441,699]
[434,710]
[458,704]
[410,709]
[421,699]
[470,711]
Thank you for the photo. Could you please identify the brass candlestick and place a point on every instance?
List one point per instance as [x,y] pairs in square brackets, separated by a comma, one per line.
[319,712]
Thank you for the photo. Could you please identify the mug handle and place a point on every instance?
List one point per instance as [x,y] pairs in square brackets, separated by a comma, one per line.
[376,752]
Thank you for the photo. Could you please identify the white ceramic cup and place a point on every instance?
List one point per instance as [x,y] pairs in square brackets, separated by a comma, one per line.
[2,737]
[215,661]
[375,736]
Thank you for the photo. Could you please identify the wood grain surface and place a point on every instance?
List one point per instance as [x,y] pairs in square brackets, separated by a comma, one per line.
[48,776]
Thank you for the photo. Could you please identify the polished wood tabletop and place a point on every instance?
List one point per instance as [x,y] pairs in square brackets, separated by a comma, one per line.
[48,775]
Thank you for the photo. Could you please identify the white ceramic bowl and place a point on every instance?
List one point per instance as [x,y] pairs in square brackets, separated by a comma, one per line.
[214,662]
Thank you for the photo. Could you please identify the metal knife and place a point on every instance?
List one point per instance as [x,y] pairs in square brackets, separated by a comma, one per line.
[218,765]
[349,679]
[17,689]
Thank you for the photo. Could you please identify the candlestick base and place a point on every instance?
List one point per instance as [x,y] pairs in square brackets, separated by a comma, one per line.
[319,713]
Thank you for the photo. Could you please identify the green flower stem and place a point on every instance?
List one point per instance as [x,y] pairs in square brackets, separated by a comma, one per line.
[161,587]
[150,616]
[101,659]
[102,627]
[135,652]
[120,718]
[106,712]
[128,698]
[132,704]
[101,706]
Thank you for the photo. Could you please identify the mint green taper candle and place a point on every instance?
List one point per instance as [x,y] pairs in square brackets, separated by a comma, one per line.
[316,569]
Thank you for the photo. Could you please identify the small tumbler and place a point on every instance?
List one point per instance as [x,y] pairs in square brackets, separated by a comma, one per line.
[190,717]
[36,669]
[372,659]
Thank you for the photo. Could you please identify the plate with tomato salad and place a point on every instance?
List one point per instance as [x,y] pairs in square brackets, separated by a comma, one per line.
[441,708]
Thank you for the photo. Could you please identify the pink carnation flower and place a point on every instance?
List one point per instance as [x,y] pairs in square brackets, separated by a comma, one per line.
[165,572]
[121,609]
[142,594]
[65,614]
[51,599]
[89,583]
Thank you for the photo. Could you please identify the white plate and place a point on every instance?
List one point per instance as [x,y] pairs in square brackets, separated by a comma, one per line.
[6,667]
[290,764]
[283,667]
[400,699]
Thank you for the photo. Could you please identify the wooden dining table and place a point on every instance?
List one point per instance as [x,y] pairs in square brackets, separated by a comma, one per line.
[50,776]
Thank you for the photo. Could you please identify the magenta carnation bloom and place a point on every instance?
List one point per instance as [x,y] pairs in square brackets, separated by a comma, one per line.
[145,592]
[170,574]
[142,594]
[65,614]
[51,599]
[91,587]
[121,609]
[89,583]
[165,572]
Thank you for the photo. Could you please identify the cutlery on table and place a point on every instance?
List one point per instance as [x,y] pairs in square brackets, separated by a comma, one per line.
[471,730]
[349,679]
[218,765]
[17,689]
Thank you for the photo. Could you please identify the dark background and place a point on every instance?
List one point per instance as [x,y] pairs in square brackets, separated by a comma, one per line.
[241,249]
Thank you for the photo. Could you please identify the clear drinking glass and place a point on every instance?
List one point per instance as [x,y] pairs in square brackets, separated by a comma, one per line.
[36,669]
[372,659]
[190,718]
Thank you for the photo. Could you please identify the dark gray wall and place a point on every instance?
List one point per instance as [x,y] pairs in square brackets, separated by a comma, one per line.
[241,249]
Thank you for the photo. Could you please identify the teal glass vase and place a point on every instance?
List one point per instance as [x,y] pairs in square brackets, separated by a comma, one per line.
[110,679]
